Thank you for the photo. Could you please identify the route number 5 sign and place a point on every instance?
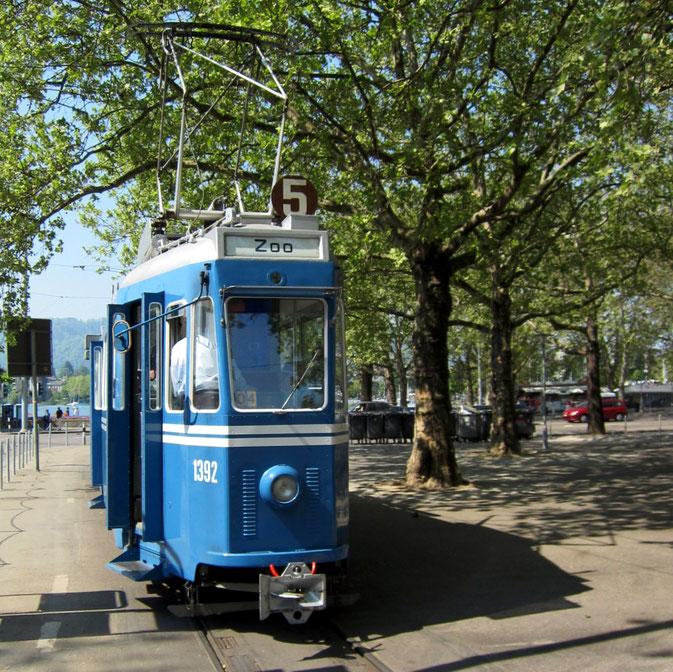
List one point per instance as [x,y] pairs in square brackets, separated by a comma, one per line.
[294,195]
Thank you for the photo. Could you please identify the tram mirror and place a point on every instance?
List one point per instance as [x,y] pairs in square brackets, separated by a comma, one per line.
[121,336]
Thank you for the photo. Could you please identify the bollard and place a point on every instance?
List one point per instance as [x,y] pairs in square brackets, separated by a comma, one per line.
[66,435]
[16,439]
[49,439]
[83,434]
[2,463]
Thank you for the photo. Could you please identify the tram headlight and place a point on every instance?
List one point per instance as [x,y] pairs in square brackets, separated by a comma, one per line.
[284,488]
[279,485]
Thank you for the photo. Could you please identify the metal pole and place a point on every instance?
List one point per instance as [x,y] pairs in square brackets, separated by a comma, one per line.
[36,431]
[24,404]
[2,463]
[479,374]
[545,444]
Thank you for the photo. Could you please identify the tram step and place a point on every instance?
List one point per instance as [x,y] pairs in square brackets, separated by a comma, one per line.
[128,564]
[97,502]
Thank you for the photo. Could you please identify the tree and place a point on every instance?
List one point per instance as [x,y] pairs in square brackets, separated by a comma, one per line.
[435,122]
[67,370]
[77,388]
[379,310]
[604,256]
[465,122]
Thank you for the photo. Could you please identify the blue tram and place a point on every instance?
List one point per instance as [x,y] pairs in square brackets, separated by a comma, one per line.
[219,436]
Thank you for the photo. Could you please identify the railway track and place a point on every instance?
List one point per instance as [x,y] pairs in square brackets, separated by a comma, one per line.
[241,643]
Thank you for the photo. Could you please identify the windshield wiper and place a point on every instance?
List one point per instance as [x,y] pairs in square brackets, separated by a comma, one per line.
[301,379]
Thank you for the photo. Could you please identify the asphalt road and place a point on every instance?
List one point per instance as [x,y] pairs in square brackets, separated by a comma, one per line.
[558,560]
[561,559]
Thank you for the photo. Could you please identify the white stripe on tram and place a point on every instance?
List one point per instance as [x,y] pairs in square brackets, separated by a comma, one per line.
[225,442]
[255,430]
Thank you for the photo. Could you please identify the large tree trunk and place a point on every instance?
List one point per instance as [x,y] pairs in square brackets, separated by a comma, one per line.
[596,423]
[432,463]
[401,376]
[366,375]
[469,377]
[504,438]
[389,381]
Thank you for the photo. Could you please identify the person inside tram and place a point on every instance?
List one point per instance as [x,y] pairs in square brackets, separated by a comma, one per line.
[206,376]
[178,362]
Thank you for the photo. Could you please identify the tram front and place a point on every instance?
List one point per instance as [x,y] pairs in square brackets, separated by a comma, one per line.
[285,407]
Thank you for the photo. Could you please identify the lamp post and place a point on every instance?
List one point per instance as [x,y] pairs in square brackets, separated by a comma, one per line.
[543,342]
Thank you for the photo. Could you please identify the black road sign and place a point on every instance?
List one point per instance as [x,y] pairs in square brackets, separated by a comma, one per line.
[20,355]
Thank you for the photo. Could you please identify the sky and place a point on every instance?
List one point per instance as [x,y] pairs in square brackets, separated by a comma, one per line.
[70,286]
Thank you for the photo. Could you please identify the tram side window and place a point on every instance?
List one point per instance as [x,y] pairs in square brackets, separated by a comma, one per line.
[340,389]
[119,376]
[205,376]
[98,363]
[155,357]
[176,340]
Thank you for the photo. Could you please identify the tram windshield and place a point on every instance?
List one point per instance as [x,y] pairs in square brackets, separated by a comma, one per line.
[276,353]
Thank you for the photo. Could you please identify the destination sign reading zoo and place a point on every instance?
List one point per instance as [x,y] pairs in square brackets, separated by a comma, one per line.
[260,245]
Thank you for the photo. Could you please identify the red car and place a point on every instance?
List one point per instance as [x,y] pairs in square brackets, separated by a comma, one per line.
[613,409]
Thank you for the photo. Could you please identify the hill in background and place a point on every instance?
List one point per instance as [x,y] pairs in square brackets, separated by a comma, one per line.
[68,340]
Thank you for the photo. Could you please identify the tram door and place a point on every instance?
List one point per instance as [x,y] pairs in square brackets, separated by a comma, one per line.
[120,374]
[149,417]
[134,457]
[96,404]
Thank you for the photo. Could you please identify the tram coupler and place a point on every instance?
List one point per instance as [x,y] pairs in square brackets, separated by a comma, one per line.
[296,593]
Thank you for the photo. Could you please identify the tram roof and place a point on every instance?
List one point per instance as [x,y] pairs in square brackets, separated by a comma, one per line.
[297,239]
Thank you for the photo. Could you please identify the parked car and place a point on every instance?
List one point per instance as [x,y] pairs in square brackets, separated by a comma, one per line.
[613,409]
[373,407]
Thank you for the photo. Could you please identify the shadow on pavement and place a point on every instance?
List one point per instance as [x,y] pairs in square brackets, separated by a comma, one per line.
[593,489]
[413,570]
[477,662]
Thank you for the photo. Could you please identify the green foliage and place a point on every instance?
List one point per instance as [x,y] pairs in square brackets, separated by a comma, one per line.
[524,140]
[66,370]
[77,388]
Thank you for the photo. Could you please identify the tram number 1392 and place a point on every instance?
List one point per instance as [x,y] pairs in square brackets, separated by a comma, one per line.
[205,471]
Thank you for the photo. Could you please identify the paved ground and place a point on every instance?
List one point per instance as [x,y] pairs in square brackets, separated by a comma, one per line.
[558,560]
[60,609]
